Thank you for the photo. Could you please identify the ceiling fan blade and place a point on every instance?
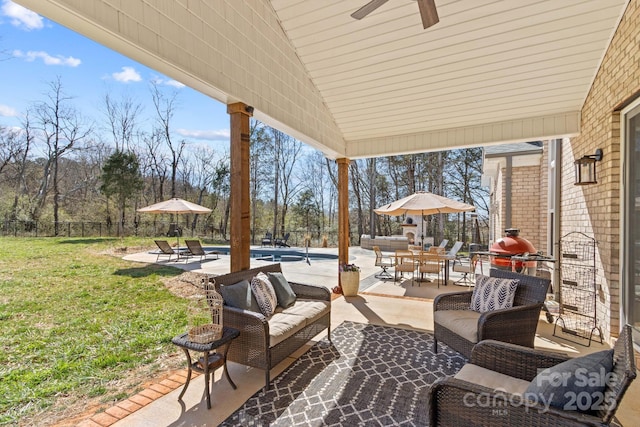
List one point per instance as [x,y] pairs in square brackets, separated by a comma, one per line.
[428,13]
[368,8]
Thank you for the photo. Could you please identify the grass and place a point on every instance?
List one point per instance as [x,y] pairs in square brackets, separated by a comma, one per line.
[75,321]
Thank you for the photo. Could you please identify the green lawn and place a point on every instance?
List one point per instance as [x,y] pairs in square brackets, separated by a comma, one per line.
[74,320]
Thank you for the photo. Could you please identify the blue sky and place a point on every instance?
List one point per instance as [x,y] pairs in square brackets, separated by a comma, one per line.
[35,51]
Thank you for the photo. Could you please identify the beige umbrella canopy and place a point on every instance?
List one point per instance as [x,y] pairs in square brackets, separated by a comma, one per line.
[175,206]
[423,203]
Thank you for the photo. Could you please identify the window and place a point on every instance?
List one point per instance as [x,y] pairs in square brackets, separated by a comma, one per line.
[630,233]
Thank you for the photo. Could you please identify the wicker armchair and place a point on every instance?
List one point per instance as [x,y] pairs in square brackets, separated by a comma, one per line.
[252,347]
[515,325]
[452,402]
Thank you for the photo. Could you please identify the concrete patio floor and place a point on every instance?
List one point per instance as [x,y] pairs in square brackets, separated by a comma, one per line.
[403,305]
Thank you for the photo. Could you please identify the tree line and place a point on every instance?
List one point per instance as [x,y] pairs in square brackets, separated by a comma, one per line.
[63,166]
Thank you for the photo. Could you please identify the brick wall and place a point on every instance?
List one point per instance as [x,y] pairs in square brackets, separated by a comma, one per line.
[525,203]
[594,209]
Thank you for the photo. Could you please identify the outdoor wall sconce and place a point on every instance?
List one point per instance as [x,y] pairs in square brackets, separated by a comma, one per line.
[586,168]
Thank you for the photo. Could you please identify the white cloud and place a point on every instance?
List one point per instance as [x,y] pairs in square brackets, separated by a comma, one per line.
[210,135]
[21,17]
[32,55]
[128,74]
[174,83]
[162,82]
[7,111]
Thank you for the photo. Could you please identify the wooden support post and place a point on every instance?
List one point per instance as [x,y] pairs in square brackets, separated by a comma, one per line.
[343,211]
[240,213]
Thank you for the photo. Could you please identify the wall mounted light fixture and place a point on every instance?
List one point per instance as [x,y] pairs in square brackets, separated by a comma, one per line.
[586,168]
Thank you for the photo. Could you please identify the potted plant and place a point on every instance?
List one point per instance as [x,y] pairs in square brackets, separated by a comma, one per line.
[349,279]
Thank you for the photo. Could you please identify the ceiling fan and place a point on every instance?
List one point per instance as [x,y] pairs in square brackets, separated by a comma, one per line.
[428,11]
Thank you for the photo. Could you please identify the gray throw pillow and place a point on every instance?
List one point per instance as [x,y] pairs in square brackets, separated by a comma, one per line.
[285,295]
[577,384]
[239,295]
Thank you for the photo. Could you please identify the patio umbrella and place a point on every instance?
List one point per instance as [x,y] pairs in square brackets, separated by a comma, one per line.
[175,206]
[423,203]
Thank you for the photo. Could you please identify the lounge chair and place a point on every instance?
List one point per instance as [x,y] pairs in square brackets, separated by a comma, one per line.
[165,250]
[283,242]
[455,249]
[267,240]
[196,249]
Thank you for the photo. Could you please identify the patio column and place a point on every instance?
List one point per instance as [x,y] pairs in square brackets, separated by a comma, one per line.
[239,197]
[343,211]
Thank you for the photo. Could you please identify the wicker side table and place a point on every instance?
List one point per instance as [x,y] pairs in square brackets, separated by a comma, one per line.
[214,356]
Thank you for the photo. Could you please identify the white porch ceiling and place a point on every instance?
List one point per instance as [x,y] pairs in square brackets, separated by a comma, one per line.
[489,72]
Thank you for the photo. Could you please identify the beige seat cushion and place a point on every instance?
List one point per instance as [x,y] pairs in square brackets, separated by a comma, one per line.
[288,321]
[462,322]
[283,325]
[311,310]
[494,380]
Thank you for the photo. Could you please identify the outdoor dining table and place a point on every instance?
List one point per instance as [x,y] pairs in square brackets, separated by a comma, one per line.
[445,257]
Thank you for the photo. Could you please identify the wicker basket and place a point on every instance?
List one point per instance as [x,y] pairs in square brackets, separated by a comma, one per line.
[205,333]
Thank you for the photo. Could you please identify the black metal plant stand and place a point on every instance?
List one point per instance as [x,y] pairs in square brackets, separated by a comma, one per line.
[578,288]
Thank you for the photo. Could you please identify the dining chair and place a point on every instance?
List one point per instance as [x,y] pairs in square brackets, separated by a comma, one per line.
[404,263]
[384,262]
[430,263]
[467,268]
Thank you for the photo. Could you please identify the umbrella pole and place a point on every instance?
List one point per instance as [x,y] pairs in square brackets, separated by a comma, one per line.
[422,232]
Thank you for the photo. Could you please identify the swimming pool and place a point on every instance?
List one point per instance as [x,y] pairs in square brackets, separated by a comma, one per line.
[278,255]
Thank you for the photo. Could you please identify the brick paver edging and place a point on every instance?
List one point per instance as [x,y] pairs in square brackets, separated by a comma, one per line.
[137,401]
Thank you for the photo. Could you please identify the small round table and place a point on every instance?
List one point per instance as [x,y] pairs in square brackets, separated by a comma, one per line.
[209,362]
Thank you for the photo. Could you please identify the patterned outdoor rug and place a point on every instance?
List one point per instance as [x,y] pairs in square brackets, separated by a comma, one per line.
[370,376]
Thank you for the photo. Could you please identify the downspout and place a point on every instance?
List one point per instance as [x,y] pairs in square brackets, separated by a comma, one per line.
[557,229]
[507,192]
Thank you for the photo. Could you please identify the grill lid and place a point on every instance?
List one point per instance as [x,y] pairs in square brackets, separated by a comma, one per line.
[512,244]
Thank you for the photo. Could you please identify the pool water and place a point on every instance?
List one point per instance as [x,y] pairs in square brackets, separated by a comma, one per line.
[278,255]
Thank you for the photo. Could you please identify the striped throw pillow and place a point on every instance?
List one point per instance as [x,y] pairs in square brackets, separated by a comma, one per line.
[264,293]
[493,293]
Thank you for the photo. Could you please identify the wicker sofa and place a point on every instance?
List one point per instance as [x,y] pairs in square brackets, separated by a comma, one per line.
[461,328]
[265,342]
[474,400]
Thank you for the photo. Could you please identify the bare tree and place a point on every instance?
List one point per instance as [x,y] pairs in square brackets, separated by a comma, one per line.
[61,129]
[315,179]
[165,106]
[259,140]
[287,153]
[158,166]
[202,176]
[7,147]
[122,117]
